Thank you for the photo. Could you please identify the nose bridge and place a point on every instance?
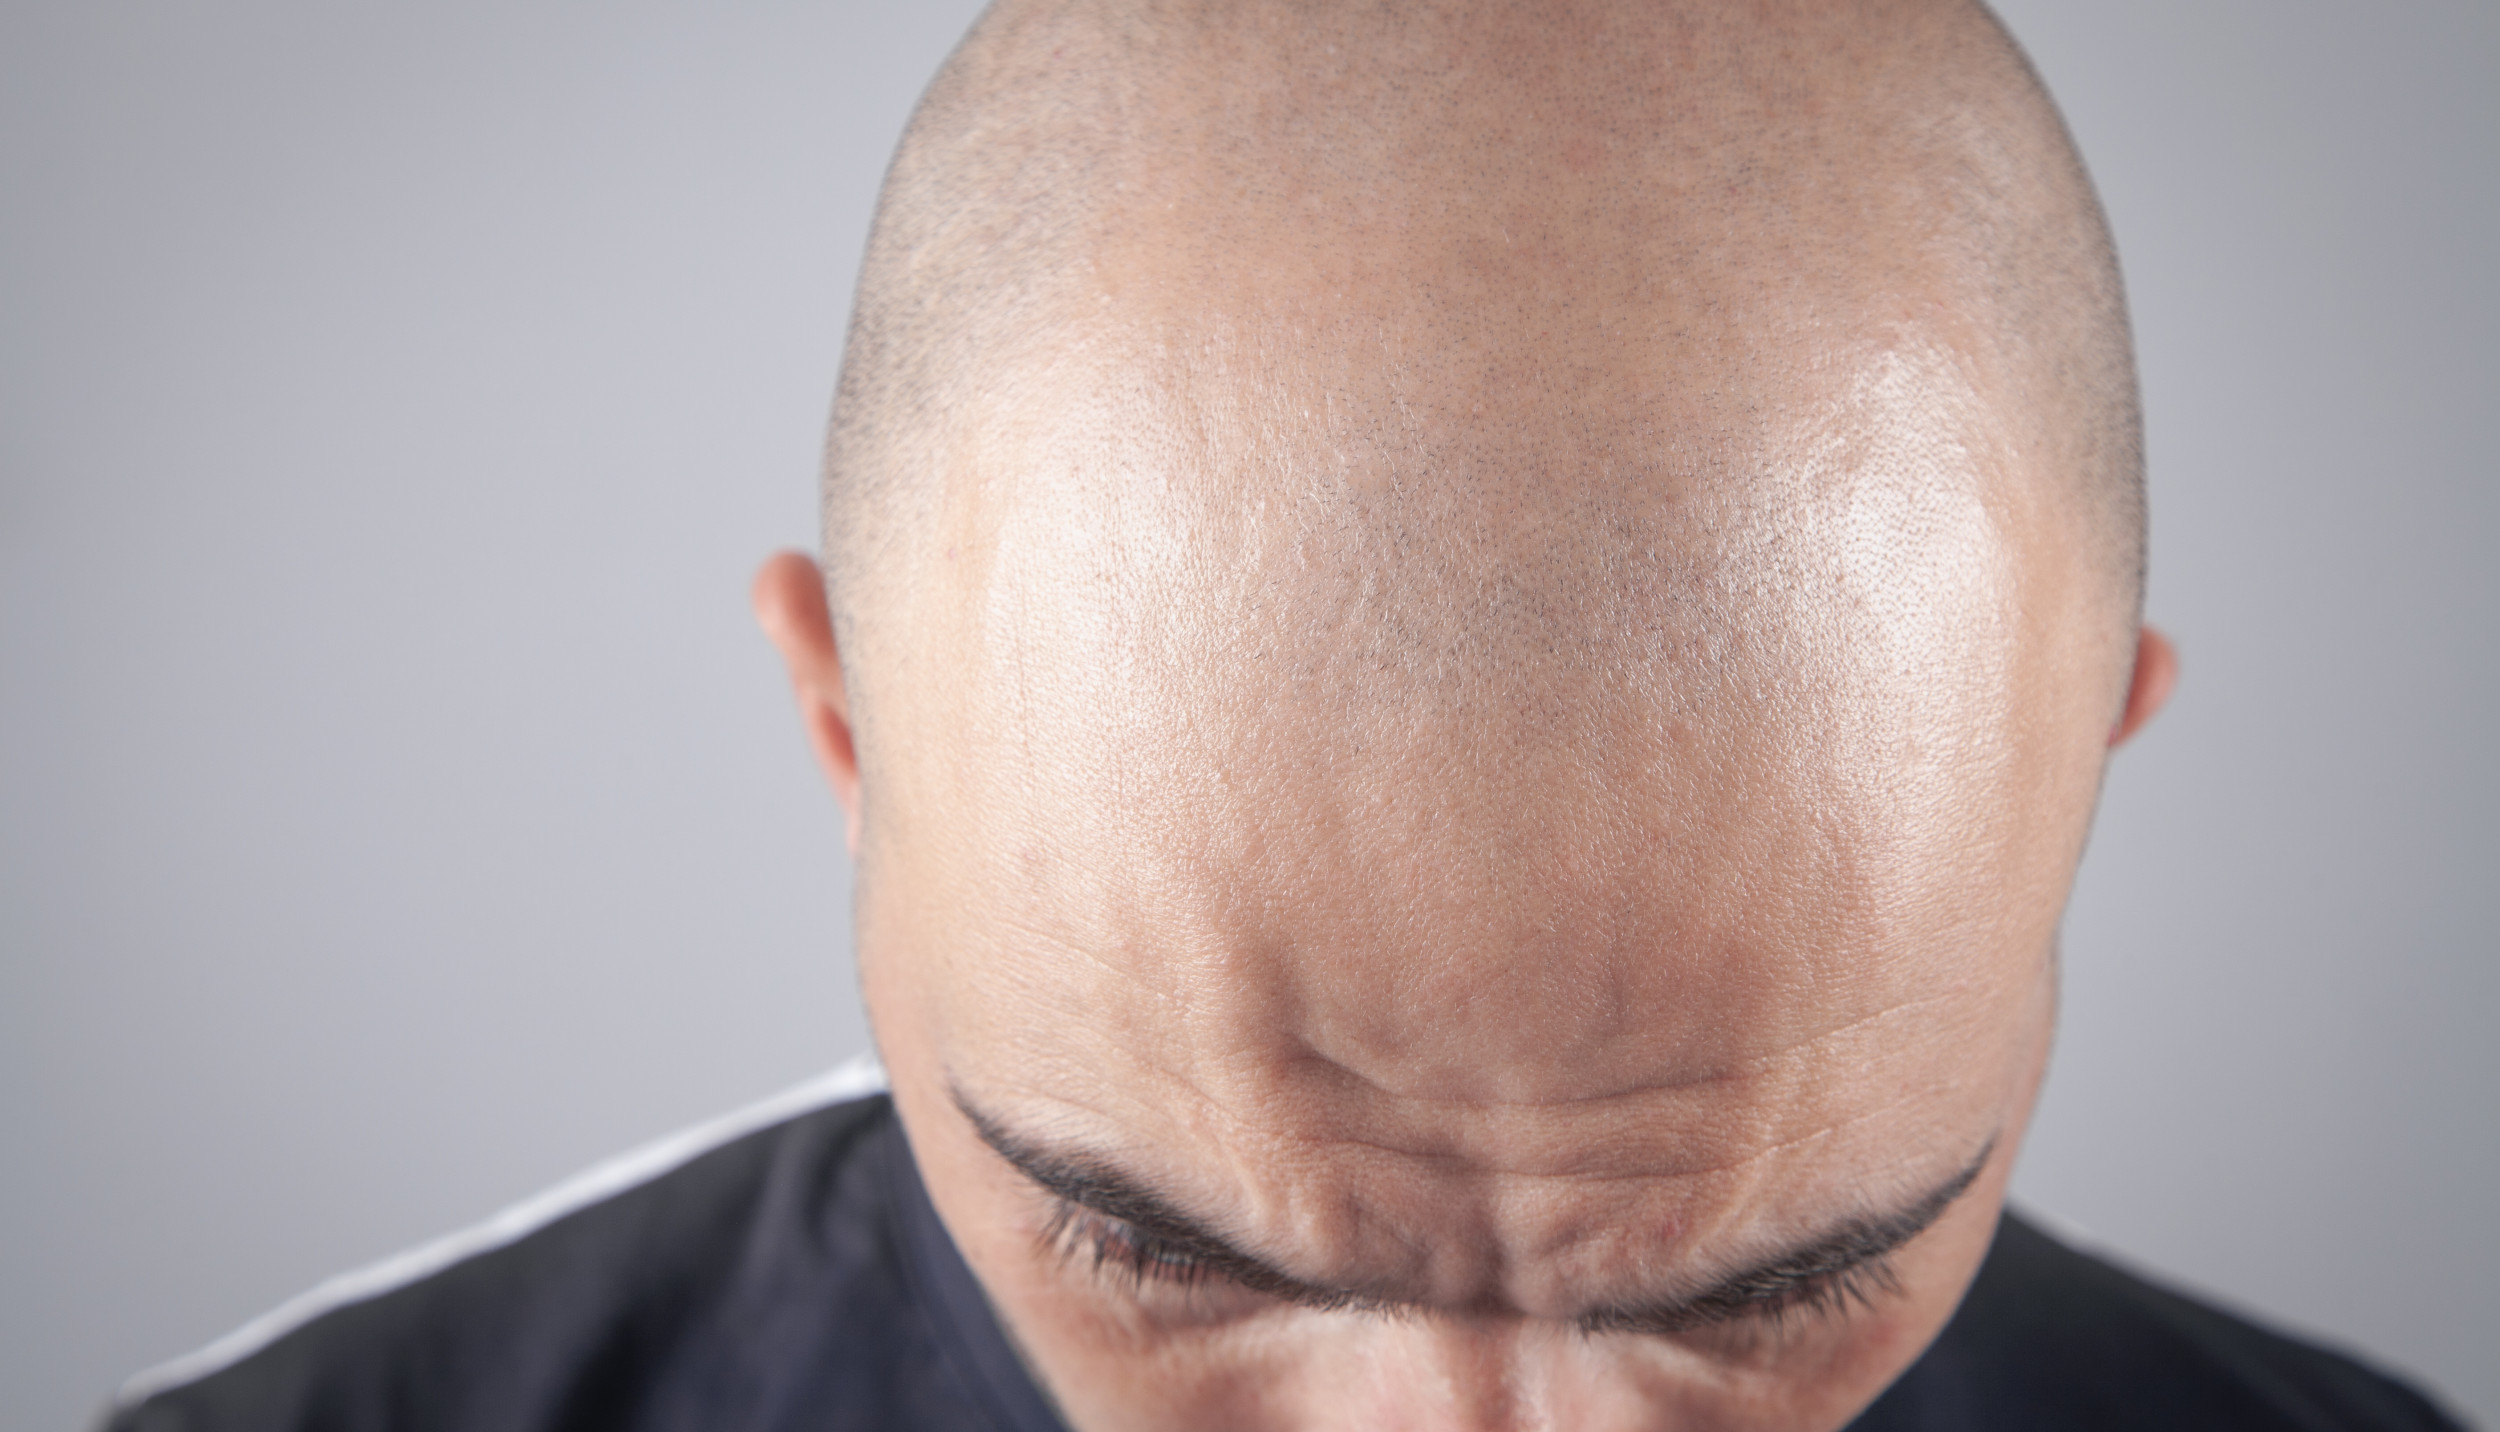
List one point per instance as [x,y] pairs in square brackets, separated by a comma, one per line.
[1460,1374]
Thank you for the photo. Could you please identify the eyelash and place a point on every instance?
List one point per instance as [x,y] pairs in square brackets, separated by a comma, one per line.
[1828,1295]
[1131,1259]
[1120,1253]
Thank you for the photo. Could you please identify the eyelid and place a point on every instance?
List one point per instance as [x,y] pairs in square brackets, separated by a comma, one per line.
[1817,1298]
[1126,1254]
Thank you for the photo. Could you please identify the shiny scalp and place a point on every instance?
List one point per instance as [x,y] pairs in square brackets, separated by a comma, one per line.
[1178,203]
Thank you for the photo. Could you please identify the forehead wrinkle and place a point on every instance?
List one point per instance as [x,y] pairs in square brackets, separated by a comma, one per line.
[1251,1135]
[1709,1123]
[1736,1071]
[1287,1179]
[1472,1164]
[1129,972]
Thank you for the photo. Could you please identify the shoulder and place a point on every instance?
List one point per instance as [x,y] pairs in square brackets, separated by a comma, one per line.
[2052,1338]
[704,1281]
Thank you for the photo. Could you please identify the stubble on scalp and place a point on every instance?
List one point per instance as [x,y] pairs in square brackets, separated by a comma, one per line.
[1079,173]
[1526,371]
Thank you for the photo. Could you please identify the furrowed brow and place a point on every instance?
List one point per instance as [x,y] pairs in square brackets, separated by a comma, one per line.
[1090,1182]
[1094,1184]
[1857,1245]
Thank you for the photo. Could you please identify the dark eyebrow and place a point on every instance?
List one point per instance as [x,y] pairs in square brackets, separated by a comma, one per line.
[1092,1183]
[1859,1244]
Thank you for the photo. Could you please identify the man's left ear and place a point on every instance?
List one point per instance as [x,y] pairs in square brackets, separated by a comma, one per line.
[789,598]
[2156,674]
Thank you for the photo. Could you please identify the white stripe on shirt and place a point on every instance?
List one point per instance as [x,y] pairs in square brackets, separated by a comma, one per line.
[856,1078]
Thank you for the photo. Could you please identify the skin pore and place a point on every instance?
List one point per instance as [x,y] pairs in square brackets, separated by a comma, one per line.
[1468,721]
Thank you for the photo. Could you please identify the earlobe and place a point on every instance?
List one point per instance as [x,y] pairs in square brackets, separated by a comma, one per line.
[2156,673]
[789,597]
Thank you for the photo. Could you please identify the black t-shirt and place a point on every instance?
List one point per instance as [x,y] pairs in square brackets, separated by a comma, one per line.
[797,1278]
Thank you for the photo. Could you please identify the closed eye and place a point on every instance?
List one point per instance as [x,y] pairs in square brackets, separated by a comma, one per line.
[1134,1237]
[1131,1259]
[1120,1252]
[1815,1297]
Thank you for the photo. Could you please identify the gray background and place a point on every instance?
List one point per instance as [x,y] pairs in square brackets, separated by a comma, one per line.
[397,811]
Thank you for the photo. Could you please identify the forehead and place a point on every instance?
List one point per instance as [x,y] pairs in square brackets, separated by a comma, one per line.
[1457,845]
[1529,1071]
[1440,924]
[1335,744]
[1506,762]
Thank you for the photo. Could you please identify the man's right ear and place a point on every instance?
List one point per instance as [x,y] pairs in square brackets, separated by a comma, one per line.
[790,605]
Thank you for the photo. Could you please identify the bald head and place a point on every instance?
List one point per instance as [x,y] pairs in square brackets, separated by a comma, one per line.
[1481,642]
[1476,254]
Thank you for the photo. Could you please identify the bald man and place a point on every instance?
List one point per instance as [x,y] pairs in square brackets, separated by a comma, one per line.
[1469,651]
